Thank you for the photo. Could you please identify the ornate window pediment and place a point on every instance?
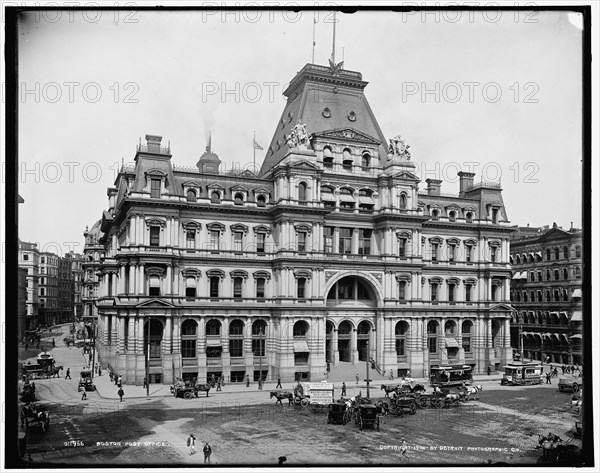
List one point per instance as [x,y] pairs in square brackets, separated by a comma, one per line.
[238,273]
[436,239]
[470,242]
[262,229]
[191,273]
[403,234]
[453,280]
[154,221]
[453,241]
[191,225]
[303,273]
[261,190]
[215,272]
[155,173]
[261,274]
[215,226]
[303,227]
[238,227]
[238,188]
[403,277]
[155,271]
[471,281]
[436,280]
[497,244]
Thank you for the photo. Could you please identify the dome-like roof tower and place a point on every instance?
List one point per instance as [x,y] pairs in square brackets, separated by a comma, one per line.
[209,162]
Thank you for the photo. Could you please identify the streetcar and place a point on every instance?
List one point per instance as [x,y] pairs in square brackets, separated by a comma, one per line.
[450,375]
[521,373]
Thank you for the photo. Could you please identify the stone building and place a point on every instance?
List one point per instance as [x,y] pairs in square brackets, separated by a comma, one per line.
[29,259]
[331,255]
[547,293]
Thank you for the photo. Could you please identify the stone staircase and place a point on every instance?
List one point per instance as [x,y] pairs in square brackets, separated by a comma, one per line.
[345,371]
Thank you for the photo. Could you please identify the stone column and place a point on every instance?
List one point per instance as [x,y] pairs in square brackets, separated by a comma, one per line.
[131,336]
[167,340]
[353,346]
[507,290]
[121,334]
[169,281]
[121,279]
[334,346]
[132,271]
[140,279]
[336,240]
[114,284]
[139,349]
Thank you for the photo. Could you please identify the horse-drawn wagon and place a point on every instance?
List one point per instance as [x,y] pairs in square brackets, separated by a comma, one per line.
[570,383]
[35,415]
[366,416]
[187,391]
[338,413]
[85,381]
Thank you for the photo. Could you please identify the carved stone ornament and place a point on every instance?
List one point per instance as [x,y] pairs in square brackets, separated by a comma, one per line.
[378,276]
[398,150]
[298,138]
[329,275]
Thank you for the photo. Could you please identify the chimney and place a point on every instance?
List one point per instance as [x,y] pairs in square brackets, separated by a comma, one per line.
[153,142]
[111,192]
[433,186]
[466,182]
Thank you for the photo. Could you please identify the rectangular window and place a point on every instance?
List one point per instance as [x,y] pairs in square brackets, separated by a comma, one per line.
[434,291]
[155,188]
[402,290]
[237,288]
[451,289]
[301,242]
[260,242]
[400,346]
[190,292]
[190,239]
[539,275]
[301,288]
[215,236]
[188,348]
[493,254]
[402,247]
[451,252]
[155,351]
[466,343]
[468,290]
[432,344]
[260,288]
[556,275]
[214,286]
[494,215]
[236,347]
[364,242]
[154,236]
[258,348]
[346,240]
[434,251]
[328,239]
[468,253]
[238,238]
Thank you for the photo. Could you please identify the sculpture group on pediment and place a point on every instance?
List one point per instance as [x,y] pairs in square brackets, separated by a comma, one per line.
[398,149]
[298,138]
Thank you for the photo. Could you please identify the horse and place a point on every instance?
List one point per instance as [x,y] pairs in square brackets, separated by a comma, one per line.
[204,387]
[54,372]
[452,399]
[389,389]
[282,395]
[549,444]
[468,391]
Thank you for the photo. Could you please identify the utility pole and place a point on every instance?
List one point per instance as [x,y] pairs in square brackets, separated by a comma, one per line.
[148,361]
[368,380]
[260,345]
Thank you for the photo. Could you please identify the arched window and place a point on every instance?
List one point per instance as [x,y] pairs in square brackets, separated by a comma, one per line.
[215,197]
[191,195]
[467,329]
[432,334]
[261,201]
[452,216]
[403,201]
[188,339]
[327,157]
[578,272]
[556,253]
[525,297]
[435,214]
[401,331]
[302,192]
[548,254]
[213,327]
[366,161]
[153,286]
[238,199]
[236,338]
[565,273]
[300,328]
[469,217]
[578,252]
[259,336]
[347,160]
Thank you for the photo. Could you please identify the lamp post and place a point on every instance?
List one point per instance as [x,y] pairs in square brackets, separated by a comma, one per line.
[148,360]
[260,352]
[368,379]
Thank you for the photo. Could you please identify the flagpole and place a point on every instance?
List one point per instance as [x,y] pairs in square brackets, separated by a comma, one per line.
[314,43]
[254,151]
[333,48]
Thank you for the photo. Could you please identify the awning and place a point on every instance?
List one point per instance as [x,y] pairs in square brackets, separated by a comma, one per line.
[576,316]
[366,200]
[346,198]
[451,342]
[213,342]
[577,335]
[327,196]
[538,253]
[576,293]
[300,346]
[517,275]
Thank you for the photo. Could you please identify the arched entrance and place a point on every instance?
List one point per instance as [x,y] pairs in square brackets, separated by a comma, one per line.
[153,349]
[344,336]
[329,333]
[363,337]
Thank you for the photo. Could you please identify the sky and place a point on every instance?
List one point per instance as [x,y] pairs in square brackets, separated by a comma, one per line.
[495,93]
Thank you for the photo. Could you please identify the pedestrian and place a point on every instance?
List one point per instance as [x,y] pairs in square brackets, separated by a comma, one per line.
[121,393]
[279,383]
[548,377]
[53,344]
[207,451]
[68,375]
[84,395]
[110,375]
[99,370]
[191,443]
[563,369]
[247,381]
[357,378]
[90,359]
[222,378]
[219,384]
[119,382]
[260,383]
[555,372]
[391,374]
[403,449]
[344,389]
[38,345]
[489,370]
[145,382]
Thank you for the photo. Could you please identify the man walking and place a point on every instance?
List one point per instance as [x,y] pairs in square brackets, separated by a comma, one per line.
[357,378]
[403,449]
[191,443]
[548,378]
[219,383]
[84,395]
[278,383]
[391,374]
[207,451]
[68,375]
[121,393]
[99,370]
[344,389]
[53,344]
[247,381]
[145,382]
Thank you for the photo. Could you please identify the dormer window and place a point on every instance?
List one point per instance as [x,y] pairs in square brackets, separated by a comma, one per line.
[435,214]
[215,197]
[366,161]
[191,195]
[494,215]
[327,158]
[155,188]
[261,201]
[469,217]
[452,216]
[238,199]
[347,160]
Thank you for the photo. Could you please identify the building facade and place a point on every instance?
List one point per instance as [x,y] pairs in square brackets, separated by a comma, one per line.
[330,256]
[547,294]
[29,259]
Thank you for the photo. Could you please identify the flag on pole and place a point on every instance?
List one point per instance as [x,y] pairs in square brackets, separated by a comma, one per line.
[256,145]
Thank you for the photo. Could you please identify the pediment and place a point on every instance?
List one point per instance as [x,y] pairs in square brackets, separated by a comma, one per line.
[501,308]
[154,303]
[348,134]
[303,165]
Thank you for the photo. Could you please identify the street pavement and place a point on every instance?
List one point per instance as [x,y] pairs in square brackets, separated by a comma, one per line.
[74,359]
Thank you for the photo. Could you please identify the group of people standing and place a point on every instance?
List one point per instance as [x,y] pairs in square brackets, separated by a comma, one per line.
[207,450]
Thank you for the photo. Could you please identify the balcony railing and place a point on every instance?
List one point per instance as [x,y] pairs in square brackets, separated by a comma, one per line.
[237,360]
[155,362]
[214,361]
[189,361]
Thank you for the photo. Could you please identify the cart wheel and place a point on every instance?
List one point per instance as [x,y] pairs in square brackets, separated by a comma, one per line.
[304,402]
[413,408]
[439,403]
[575,387]
[297,401]
[561,388]
[188,395]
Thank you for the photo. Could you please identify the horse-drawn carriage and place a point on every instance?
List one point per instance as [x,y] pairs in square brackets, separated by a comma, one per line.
[338,413]
[188,391]
[27,395]
[35,415]
[85,381]
[367,416]
[280,395]
[402,403]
